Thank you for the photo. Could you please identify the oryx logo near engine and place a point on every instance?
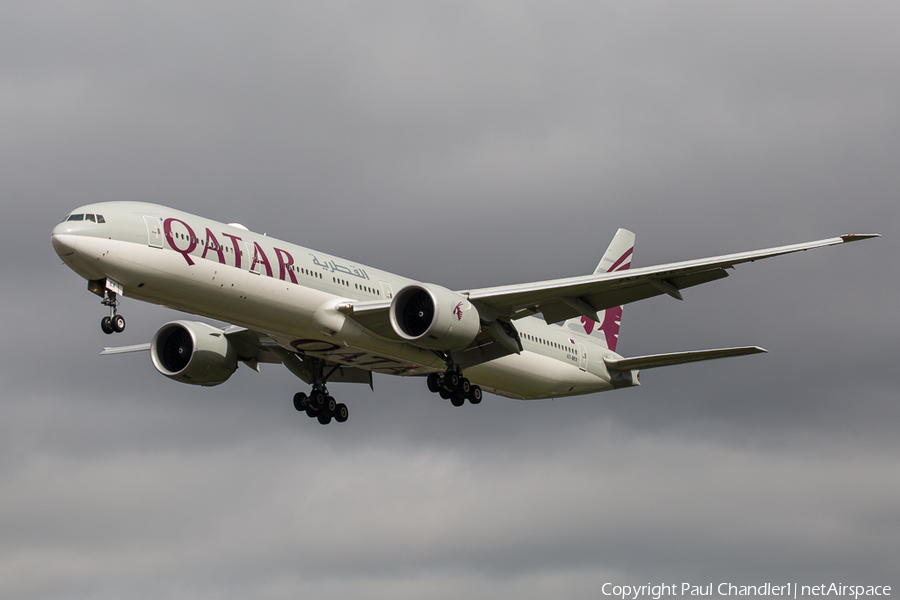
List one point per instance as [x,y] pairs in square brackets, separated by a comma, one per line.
[457,311]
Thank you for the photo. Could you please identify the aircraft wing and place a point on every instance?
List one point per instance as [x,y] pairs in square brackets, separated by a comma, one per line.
[254,347]
[561,299]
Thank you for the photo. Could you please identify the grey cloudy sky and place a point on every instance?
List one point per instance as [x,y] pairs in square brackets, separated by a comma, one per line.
[468,144]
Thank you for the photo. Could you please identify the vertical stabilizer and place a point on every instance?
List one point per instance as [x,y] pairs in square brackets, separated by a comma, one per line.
[616,258]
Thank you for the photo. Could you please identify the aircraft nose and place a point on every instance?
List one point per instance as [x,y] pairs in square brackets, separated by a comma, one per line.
[63,241]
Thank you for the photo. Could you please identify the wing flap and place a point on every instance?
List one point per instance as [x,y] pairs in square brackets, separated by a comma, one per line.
[126,349]
[557,310]
[677,358]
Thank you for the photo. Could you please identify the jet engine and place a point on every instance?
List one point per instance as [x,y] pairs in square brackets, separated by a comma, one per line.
[434,317]
[194,353]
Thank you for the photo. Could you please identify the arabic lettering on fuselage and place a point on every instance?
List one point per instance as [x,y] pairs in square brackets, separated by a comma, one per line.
[332,267]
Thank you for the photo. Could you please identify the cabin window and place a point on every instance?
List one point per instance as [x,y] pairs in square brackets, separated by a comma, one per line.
[75,218]
[100,219]
[90,217]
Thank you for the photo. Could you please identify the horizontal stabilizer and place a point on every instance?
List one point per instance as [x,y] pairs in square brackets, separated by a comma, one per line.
[676,358]
[126,349]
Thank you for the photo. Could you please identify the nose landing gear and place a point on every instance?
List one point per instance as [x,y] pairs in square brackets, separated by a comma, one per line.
[114,323]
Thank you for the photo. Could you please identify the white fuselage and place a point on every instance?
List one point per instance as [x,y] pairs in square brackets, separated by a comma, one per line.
[225,272]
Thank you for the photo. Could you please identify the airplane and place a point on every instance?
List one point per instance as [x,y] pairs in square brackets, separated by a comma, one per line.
[331,320]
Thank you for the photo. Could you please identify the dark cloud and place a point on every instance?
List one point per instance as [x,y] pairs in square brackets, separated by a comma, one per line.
[468,145]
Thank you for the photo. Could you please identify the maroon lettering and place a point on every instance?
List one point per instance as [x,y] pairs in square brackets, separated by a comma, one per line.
[372,359]
[170,236]
[378,360]
[285,262]
[314,346]
[400,370]
[349,356]
[237,248]
[212,242]
[257,253]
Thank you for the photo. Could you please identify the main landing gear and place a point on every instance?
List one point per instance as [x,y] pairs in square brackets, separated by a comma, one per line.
[453,386]
[321,406]
[114,323]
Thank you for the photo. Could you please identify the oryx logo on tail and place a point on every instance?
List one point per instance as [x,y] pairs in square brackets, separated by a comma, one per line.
[616,258]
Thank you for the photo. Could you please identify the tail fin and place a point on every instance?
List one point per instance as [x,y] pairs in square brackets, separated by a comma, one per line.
[616,258]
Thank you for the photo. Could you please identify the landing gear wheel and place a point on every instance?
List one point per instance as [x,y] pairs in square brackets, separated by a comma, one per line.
[324,419]
[117,323]
[464,387]
[301,401]
[330,405]
[457,400]
[451,380]
[341,413]
[434,382]
[311,412]
[444,394]
[106,326]
[317,398]
[474,395]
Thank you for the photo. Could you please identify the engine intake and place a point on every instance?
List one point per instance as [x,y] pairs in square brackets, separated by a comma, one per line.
[194,353]
[434,317]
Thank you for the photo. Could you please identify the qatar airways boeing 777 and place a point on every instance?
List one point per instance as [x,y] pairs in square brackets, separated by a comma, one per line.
[328,319]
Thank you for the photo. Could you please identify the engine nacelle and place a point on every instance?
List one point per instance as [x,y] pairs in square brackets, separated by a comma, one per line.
[431,316]
[194,353]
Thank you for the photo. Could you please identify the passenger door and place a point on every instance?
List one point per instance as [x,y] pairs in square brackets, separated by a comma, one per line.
[154,231]
[582,357]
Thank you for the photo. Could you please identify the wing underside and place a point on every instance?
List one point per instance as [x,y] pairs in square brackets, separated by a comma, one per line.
[254,347]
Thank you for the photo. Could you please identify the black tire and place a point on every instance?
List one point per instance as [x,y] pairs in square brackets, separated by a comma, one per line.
[330,405]
[464,386]
[106,326]
[475,395]
[444,394]
[451,380]
[324,419]
[317,398]
[457,400]
[117,323]
[434,382]
[301,401]
[311,412]
[341,413]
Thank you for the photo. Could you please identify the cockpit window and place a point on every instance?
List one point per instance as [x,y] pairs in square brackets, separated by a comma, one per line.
[87,217]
